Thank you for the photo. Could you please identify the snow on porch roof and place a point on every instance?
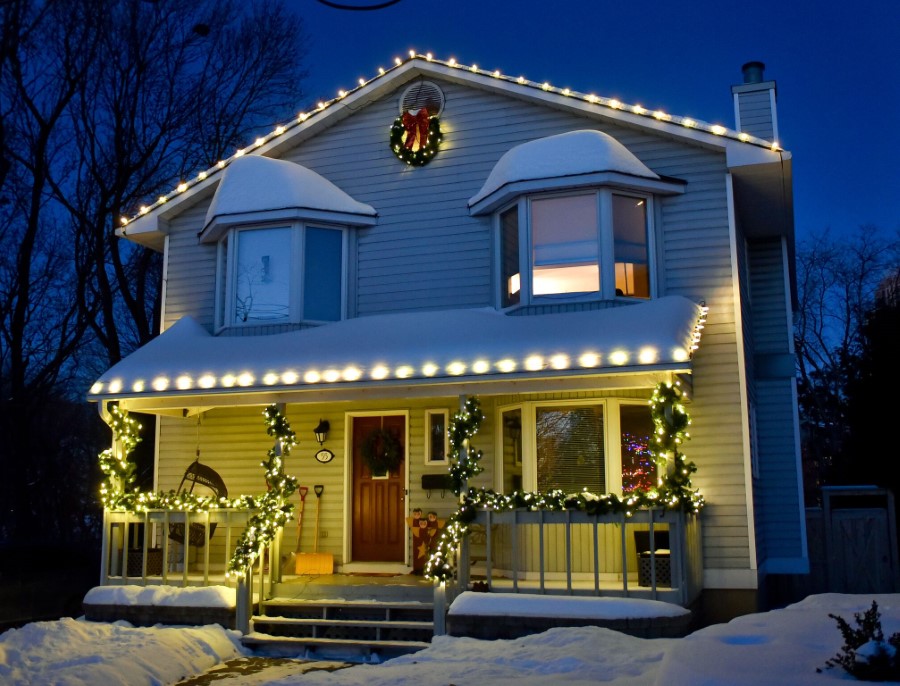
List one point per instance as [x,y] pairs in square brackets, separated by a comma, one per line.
[411,348]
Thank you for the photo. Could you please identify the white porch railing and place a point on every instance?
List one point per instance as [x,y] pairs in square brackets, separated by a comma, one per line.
[574,553]
[137,549]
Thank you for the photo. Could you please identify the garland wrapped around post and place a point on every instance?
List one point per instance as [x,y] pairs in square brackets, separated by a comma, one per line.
[119,471]
[274,509]
[673,489]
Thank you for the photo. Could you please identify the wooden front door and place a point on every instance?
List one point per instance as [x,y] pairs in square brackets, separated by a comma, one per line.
[378,501]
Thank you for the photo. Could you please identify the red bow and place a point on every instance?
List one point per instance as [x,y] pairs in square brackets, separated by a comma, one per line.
[416,126]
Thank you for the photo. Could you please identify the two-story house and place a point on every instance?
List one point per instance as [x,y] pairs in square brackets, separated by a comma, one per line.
[441,232]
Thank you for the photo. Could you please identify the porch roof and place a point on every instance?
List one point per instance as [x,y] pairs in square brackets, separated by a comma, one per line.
[423,349]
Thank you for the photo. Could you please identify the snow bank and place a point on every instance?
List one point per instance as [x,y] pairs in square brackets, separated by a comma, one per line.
[782,647]
[524,605]
[584,655]
[162,596]
[72,652]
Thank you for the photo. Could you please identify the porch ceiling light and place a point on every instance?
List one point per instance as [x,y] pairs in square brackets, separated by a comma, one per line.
[184,382]
[270,379]
[115,385]
[290,377]
[430,369]
[380,372]
[160,383]
[229,380]
[206,381]
[404,372]
[97,387]
[138,386]
[321,430]
[331,375]
[245,379]
[352,374]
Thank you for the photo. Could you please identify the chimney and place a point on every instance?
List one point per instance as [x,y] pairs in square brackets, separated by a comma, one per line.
[754,103]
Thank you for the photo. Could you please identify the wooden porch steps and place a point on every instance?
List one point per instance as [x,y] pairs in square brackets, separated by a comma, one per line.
[341,628]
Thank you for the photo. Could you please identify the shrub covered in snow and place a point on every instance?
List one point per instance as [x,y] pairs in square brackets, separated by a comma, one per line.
[865,653]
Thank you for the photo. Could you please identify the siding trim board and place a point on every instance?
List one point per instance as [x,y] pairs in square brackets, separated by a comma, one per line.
[742,373]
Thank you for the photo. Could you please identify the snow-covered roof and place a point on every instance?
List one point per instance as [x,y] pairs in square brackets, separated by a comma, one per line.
[411,348]
[254,184]
[564,155]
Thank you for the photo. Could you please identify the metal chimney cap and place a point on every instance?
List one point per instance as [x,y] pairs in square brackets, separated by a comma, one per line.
[753,72]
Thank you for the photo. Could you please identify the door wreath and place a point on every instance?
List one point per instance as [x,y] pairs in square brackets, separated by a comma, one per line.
[382,452]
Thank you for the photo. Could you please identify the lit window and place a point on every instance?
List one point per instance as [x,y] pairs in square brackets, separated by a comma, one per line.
[636,429]
[631,249]
[583,246]
[565,245]
[569,448]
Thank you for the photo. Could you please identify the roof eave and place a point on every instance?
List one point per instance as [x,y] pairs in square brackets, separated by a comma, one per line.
[637,376]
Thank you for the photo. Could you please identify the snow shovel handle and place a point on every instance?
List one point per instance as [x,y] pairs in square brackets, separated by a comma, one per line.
[319,490]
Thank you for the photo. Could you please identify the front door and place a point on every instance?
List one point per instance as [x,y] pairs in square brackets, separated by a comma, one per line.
[378,500]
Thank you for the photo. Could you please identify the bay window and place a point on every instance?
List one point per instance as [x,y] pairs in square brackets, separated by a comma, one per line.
[280,274]
[601,445]
[585,245]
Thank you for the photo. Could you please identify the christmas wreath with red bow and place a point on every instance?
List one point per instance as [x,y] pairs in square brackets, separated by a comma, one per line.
[416,137]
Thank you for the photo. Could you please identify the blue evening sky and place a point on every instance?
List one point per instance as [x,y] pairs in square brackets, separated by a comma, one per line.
[837,66]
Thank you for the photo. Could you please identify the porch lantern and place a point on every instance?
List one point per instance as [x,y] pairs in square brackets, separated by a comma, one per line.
[321,431]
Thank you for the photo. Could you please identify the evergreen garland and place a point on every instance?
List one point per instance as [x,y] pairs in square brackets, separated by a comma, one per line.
[119,471]
[673,490]
[464,464]
[382,451]
[272,509]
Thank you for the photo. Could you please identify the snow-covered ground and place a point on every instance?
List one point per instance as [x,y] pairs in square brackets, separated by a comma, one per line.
[779,647]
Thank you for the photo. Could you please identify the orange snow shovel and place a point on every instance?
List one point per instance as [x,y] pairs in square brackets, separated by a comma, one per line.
[316,562]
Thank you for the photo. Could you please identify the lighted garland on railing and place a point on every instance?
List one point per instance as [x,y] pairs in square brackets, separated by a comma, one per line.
[673,491]
[273,509]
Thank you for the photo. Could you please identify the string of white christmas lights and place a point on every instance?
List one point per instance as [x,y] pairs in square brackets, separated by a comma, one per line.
[323,105]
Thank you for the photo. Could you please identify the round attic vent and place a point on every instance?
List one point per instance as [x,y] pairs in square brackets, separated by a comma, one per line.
[423,94]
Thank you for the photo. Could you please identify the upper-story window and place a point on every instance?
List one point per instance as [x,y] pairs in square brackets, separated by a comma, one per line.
[282,232]
[281,274]
[582,245]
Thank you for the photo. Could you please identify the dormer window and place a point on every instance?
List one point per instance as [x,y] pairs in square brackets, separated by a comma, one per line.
[282,241]
[576,246]
[574,214]
[281,274]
